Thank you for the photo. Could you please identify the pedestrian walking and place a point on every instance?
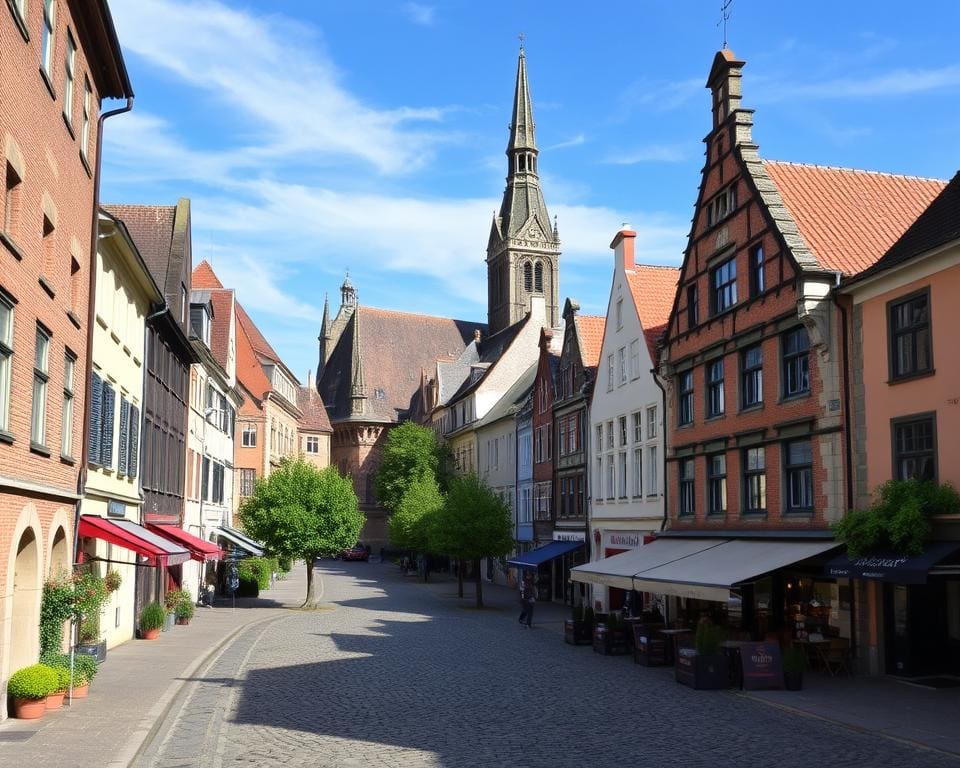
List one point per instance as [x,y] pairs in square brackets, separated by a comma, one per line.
[528,597]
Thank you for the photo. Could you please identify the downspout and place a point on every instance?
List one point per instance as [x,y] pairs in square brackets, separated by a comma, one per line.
[663,431]
[91,319]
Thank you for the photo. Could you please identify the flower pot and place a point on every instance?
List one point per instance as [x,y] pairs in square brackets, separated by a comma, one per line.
[81,691]
[150,634]
[183,621]
[29,709]
[55,700]
[793,681]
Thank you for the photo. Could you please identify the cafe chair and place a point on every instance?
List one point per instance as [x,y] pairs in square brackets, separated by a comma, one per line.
[836,657]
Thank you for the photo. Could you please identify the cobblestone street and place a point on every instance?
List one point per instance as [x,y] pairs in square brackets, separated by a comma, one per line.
[397,673]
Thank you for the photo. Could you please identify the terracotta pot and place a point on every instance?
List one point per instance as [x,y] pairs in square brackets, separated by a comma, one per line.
[81,691]
[151,634]
[55,700]
[29,709]
[183,621]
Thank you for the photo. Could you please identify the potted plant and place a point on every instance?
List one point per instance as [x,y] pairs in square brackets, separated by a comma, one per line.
[704,667]
[29,688]
[170,601]
[90,594]
[55,698]
[84,670]
[610,638]
[152,618]
[794,663]
[578,630]
[184,611]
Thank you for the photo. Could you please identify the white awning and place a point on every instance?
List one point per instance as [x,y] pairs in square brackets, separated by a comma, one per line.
[619,570]
[245,543]
[710,573]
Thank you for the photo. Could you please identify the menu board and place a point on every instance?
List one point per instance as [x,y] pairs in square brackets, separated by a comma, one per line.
[762,668]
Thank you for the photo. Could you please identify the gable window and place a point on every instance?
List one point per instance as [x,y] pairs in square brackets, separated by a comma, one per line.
[651,422]
[637,472]
[757,278]
[609,373]
[313,444]
[796,365]
[909,330]
[799,475]
[693,306]
[41,375]
[46,36]
[716,485]
[751,377]
[721,206]
[754,481]
[69,78]
[915,448]
[66,421]
[685,399]
[619,314]
[687,488]
[635,359]
[715,388]
[6,360]
[622,365]
[723,284]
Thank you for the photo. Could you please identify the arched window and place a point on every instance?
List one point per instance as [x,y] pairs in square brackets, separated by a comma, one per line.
[538,277]
[527,277]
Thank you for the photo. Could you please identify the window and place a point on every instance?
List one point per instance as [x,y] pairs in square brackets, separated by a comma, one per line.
[313,444]
[687,496]
[610,474]
[635,359]
[528,277]
[799,475]
[610,434]
[757,279]
[46,36]
[200,324]
[693,306]
[609,373]
[721,206]
[754,481]
[622,469]
[599,437]
[685,399]
[538,277]
[11,201]
[599,483]
[66,423]
[909,329]
[796,366]
[85,125]
[622,424]
[6,360]
[637,427]
[247,480]
[751,377]
[651,422]
[652,480]
[619,314]
[622,365]
[715,388]
[69,78]
[716,485]
[41,375]
[637,472]
[915,448]
[723,282]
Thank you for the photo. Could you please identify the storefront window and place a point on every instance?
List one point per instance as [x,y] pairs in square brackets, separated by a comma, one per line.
[816,609]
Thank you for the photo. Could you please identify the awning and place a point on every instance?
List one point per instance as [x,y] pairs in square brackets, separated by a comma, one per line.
[889,566]
[240,540]
[540,555]
[618,570]
[200,550]
[124,533]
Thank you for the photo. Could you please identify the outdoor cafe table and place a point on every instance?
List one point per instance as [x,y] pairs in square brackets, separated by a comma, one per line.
[815,650]
[673,640]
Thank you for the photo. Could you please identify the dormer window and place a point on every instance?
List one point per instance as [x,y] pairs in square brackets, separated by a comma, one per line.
[200,323]
[722,205]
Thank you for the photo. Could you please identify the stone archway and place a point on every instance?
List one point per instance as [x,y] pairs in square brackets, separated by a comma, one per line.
[60,560]
[24,640]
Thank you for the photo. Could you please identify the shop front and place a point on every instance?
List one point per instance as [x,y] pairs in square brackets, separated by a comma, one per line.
[551,565]
[609,543]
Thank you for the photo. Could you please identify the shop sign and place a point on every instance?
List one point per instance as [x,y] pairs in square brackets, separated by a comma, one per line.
[116,508]
[762,668]
[622,539]
[569,536]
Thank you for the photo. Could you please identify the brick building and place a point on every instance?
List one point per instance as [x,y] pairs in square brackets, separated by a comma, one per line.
[58,62]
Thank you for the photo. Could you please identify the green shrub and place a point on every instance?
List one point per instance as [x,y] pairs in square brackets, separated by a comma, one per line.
[152,617]
[63,678]
[34,682]
[708,638]
[174,597]
[258,568]
[184,609]
[84,666]
[56,607]
[285,564]
[248,586]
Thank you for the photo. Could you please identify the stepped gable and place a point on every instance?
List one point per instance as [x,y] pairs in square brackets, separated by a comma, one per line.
[653,288]
[849,218]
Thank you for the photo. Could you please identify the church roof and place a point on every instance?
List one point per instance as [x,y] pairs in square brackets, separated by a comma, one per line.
[653,289]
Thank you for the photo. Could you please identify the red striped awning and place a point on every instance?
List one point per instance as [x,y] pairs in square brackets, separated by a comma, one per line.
[200,550]
[127,534]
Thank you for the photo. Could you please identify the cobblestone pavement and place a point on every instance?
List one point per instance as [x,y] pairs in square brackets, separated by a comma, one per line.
[396,673]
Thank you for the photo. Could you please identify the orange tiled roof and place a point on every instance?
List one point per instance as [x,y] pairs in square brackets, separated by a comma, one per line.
[850,218]
[653,288]
[249,371]
[204,277]
[590,335]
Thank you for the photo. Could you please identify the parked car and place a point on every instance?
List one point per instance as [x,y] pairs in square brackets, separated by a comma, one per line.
[356,552]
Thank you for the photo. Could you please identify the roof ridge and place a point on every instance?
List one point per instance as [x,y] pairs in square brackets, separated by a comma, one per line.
[659,266]
[856,170]
[415,314]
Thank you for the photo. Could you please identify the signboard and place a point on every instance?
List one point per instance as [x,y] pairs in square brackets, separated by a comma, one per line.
[622,540]
[116,508]
[233,578]
[569,536]
[890,566]
[762,668]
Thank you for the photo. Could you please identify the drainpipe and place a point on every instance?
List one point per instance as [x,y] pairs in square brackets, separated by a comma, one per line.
[91,319]
[663,428]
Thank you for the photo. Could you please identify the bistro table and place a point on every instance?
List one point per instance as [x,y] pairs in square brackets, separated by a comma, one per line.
[731,649]
[815,650]
[673,641]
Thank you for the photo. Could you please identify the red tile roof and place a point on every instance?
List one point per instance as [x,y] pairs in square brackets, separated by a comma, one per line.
[222,302]
[257,340]
[249,371]
[205,277]
[850,218]
[590,335]
[653,288]
[314,417]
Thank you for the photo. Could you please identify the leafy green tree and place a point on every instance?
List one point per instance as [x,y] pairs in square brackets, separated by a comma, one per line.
[300,511]
[409,452]
[410,522]
[473,523]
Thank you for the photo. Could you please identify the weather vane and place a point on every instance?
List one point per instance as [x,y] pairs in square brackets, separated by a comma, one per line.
[725,14]
[521,37]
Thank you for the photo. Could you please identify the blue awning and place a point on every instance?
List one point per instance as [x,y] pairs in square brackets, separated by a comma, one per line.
[888,566]
[537,557]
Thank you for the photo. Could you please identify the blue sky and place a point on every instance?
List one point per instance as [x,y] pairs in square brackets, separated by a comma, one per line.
[313,137]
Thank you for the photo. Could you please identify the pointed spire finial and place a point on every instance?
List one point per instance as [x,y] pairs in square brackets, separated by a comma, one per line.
[522,135]
[358,389]
[725,14]
[521,37]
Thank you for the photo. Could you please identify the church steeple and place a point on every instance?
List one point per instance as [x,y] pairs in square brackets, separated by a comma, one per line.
[324,338]
[523,252]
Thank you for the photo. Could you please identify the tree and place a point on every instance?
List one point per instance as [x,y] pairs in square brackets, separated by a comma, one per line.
[473,523]
[300,511]
[409,452]
[410,522]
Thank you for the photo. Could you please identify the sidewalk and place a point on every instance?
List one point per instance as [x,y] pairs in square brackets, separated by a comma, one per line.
[135,686]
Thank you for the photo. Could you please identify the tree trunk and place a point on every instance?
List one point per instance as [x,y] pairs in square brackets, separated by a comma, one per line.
[459,577]
[310,601]
[479,585]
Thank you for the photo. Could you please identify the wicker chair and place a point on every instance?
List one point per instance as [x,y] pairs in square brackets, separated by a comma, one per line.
[836,657]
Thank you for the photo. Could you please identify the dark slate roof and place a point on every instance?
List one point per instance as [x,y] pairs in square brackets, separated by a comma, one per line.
[394,348]
[151,227]
[314,417]
[938,225]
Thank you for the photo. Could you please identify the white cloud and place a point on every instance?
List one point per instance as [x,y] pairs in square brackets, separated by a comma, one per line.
[655,153]
[573,141]
[419,14]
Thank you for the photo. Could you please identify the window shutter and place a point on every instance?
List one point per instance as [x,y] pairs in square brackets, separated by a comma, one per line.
[96,417]
[134,446]
[124,440]
[106,439]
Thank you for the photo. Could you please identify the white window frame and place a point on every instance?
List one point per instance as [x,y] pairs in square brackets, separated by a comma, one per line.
[46,35]
[66,422]
[610,373]
[41,378]
[69,81]
[637,472]
[622,365]
[313,444]
[651,422]
[652,472]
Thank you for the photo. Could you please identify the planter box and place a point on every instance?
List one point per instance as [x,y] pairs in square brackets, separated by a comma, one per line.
[610,642]
[577,632]
[97,650]
[704,673]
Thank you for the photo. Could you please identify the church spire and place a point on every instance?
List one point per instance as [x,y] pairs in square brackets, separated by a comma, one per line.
[358,390]
[522,136]
[324,338]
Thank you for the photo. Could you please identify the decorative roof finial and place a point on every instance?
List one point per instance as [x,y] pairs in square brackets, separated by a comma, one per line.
[725,14]
[521,37]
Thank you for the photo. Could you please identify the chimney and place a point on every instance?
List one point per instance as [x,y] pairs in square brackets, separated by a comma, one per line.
[309,379]
[623,249]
